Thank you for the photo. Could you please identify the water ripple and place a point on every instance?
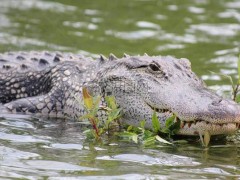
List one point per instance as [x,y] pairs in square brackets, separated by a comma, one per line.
[216,29]
[89,26]
[230,13]
[163,159]
[21,138]
[38,4]
[134,35]
[196,10]
[146,24]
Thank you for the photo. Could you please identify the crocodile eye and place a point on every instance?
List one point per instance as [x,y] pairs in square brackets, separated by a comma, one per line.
[154,67]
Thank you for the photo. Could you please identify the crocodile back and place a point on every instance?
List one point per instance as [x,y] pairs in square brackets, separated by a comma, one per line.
[33,61]
[27,74]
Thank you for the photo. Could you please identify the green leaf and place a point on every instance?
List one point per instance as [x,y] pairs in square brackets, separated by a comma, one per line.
[162,140]
[176,127]
[129,128]
[86,131]
[86,116]
[155,122]
[111,102]
[170,121]
[129,136]
[142,124]
[101,131]
[126,134]
[135,138]
[166,131]
[148,134]
[149,141]
[90,134]
[114,114]
[96,102]
[87,98]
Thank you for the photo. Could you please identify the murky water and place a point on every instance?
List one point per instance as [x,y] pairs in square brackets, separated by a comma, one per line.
[206,32]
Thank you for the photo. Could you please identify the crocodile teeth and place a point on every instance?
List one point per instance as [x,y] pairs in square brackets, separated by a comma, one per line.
[188,124]
[182,124]
[159,110]
[194,123]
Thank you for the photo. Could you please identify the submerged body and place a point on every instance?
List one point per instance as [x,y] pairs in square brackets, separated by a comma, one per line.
[51,84]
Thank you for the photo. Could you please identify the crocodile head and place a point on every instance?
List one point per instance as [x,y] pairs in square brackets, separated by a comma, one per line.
[166,84]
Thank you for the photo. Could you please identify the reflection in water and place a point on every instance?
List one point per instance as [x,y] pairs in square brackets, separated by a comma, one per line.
[31,147]
[162,159]
[206,32]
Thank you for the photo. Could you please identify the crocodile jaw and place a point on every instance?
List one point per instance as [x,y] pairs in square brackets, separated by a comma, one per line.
[201,127]
[195,127]
[221,119]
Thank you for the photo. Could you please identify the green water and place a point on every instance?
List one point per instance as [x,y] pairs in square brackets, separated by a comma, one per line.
[206,32]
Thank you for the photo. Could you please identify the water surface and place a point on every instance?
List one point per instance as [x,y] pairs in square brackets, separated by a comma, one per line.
[206,32]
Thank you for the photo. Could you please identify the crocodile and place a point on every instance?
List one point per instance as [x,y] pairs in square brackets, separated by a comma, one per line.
[50,84]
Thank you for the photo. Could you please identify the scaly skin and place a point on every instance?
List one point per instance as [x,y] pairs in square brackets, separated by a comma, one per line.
[48,84]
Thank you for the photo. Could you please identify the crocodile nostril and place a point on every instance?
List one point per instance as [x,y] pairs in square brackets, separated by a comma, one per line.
[217,102]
